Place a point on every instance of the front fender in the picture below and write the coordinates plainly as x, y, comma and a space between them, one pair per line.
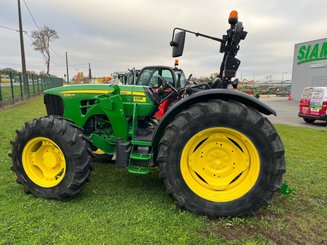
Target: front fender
204, 95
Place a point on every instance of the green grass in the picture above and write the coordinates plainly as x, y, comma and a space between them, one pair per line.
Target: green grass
120, 208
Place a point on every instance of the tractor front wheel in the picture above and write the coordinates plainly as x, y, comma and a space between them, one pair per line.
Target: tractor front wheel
51, 158
221, 158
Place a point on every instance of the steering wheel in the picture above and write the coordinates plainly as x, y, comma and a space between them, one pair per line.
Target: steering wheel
169, 85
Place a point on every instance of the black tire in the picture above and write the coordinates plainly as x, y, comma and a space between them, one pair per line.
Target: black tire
230, 115
75, 150
309, 120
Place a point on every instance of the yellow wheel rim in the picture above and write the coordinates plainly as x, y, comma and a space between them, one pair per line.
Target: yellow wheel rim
43, 162
220, 164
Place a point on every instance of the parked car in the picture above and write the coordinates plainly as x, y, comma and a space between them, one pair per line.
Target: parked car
313, 104
283, 90
5, 78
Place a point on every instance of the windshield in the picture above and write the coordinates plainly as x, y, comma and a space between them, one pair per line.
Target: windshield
150, 77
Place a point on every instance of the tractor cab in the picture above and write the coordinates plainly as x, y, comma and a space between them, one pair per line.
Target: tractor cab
150, 76
164, 81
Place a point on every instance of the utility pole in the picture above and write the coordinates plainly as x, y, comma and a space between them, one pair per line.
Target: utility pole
22, 51
67, 68
90, 74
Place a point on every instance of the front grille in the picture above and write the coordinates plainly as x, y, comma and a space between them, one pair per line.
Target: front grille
86, 105
54, 104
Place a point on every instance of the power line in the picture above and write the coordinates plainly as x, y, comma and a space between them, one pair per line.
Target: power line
8, 28
15, 64
54, 63
37, 26
71, 58
56, 53
80, 64
25, 32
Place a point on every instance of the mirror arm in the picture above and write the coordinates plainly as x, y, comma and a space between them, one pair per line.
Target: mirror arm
172, 43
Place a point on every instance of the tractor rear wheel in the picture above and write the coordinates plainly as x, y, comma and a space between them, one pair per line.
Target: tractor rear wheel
51, 158
221, 158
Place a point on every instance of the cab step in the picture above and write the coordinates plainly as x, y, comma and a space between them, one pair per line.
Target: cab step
140, 157
139, 160
138, 170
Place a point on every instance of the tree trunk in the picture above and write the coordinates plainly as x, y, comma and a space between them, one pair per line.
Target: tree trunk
48, 65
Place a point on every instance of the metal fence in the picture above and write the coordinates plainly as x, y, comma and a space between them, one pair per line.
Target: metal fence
269, 88
12, 87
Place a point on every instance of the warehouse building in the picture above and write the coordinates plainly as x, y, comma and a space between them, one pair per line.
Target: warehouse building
309, 66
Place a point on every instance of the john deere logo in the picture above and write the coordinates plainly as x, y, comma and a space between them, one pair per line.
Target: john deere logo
308, 53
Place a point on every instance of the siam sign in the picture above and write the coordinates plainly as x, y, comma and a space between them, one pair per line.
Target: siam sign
312, 52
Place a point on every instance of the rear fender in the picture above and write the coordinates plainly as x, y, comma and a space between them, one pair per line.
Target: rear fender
205, 95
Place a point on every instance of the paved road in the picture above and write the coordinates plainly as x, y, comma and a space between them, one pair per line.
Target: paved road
287, 111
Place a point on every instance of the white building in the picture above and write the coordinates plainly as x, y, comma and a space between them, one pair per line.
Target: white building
309, 66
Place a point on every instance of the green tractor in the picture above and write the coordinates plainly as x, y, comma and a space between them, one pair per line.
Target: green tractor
217, 153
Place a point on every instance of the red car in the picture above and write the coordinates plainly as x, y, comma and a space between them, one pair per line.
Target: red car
313, 104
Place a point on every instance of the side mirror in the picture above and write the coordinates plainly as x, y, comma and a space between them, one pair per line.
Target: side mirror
178, 44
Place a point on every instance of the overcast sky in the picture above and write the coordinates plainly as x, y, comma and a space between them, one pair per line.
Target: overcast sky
117, 35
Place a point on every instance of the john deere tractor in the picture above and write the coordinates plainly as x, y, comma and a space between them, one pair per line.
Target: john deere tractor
217, 153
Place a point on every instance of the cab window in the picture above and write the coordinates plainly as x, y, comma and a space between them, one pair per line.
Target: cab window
168, 76
145, 77
154, 80
180, 79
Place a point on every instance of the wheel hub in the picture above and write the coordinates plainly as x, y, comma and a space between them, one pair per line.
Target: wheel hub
44, 162
217, 159
220, 163
50, 159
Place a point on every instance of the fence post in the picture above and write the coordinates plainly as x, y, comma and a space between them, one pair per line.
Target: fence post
42, 80
20, 84
44, 83
0, 88
11, 86
33, 84
48, 84
38, 85
28, 86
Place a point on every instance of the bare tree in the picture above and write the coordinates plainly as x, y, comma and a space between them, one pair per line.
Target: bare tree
41, 42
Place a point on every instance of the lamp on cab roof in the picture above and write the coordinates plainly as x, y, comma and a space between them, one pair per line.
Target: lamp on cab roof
233, 17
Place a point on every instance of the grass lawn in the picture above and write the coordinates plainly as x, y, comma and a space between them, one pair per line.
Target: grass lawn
120, 208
